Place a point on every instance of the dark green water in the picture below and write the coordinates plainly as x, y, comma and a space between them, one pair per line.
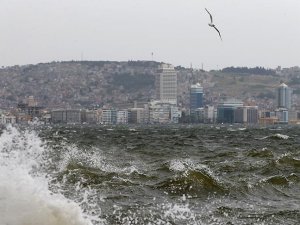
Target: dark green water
84, 175
179, 175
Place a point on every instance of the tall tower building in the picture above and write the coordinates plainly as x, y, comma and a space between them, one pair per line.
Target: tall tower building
196, 97
166, 83
284, 96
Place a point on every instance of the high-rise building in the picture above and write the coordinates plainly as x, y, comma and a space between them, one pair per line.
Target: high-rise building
226, 111
166, 83
246, 114
196, 97
284, 96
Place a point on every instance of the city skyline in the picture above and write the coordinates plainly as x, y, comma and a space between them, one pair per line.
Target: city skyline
255, 33
162, 109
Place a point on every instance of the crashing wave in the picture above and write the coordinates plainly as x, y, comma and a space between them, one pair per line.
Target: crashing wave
25, 197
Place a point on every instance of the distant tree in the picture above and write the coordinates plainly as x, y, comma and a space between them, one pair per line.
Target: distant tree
179, 68
245, 70
143, 63
131, 82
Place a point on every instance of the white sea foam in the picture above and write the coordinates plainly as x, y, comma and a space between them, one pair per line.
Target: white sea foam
25, 198
282, 136
96, 158
182, 165
179, 212
178, 165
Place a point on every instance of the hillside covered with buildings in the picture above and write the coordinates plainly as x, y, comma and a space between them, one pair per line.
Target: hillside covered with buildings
93, 85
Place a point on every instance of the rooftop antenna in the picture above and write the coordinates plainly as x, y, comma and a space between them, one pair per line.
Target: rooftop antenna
152, 56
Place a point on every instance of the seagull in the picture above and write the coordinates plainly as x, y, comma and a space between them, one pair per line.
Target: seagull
211, 24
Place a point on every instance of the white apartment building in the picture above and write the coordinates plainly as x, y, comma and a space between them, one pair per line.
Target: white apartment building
122, 117
209, 116
163, 112
108, 116
166, 84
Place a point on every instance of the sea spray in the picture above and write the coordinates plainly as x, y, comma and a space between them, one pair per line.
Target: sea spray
25, 198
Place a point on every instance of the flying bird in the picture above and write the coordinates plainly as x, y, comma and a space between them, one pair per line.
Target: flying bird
211, 24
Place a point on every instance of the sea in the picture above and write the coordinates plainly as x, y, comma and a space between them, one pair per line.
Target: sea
173, 175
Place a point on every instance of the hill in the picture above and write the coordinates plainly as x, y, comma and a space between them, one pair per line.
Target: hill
97, 83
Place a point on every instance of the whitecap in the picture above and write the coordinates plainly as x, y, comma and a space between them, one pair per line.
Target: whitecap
281, 136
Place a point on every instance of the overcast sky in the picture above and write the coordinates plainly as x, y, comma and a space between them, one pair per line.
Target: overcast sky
255, 32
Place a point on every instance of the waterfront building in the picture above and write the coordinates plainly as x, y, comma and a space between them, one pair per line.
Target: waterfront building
73, 116
166, 84
90, 117
209, 116
29, 111
283, 115
163, 112
122, 117
108, 116
267, 114
159, 114
68, 116
196, 97
246, 114
46, 117
175, 114
294, 117
198, 115
284, 96
252, 114
137, 116
58, 116
268, 120
226, 111
239, 115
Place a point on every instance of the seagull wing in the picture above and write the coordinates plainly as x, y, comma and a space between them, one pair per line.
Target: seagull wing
218, 32
211, 19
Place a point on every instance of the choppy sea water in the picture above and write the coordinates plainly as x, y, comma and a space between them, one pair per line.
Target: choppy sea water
90, 175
